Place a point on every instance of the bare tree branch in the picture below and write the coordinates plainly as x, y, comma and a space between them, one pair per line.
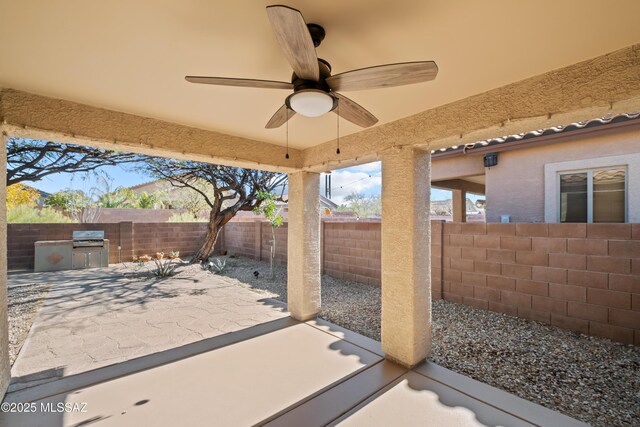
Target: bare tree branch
32, 160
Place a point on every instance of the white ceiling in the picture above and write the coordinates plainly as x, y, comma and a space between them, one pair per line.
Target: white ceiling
132, 56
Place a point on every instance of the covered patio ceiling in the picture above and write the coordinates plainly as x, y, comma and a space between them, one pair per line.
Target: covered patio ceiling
112, 75
132, 58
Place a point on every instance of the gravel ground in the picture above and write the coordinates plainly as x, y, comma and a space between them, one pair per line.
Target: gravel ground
24, 302
591, 379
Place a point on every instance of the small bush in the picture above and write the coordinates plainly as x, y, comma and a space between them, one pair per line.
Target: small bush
23, 214
165, 264
216, 266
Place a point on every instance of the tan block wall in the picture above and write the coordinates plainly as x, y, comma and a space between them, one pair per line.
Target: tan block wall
584, 277
185, 237
135, 239
352, 251
281, 242
240, 238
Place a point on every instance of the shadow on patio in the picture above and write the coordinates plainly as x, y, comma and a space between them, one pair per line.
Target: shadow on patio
282, 372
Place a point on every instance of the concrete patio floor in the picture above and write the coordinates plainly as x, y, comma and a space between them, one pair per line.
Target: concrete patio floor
279, 373
98, 317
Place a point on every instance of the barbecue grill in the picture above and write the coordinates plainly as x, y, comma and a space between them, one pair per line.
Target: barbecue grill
89, 249
88, 239
86, 249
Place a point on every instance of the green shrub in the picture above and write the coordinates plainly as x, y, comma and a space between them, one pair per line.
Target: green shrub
29, 215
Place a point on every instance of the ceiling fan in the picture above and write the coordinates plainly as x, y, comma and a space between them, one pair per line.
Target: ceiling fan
315, 90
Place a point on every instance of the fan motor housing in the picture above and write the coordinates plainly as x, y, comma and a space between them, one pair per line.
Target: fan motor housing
302, 84
317, 33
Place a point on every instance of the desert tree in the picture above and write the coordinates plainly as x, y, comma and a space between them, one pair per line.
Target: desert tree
364, 206
272, 212
230, 190
31, 160
21, 195
76, 204
190, 200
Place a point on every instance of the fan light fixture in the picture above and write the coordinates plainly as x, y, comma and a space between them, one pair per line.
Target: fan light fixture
311, 102
315, 90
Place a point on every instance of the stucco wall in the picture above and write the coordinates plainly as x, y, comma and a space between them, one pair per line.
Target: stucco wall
5, 369
456, 167
516, 186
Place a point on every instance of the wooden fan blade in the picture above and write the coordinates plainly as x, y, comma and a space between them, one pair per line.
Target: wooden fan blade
280, 117
224, 81
404, 73
295, 41
354, 112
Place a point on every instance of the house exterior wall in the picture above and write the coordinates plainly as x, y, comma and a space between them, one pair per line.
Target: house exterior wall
456, 167
516, 186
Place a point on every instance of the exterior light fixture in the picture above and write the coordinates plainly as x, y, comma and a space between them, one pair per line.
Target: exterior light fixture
490, 160
311, 102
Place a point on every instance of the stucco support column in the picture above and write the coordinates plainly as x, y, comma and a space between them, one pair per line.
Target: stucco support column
303, 264
406, 259
459, 205
5, 369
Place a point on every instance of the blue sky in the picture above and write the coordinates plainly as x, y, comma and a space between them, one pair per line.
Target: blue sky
367, 179
124, 176
363, 178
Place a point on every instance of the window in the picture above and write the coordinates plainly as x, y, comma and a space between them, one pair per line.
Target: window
597, 195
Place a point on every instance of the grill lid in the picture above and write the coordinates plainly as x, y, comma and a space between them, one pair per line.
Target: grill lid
88, 235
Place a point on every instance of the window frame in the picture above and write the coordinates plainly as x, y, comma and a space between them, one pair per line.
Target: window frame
589, 172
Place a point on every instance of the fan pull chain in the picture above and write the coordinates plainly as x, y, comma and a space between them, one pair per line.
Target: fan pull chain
338, 126
286, 156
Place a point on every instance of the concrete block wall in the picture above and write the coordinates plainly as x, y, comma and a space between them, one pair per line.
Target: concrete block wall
584, 277
240, 238
252, 239
185, 237
351, 251
267, 237
134, 238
